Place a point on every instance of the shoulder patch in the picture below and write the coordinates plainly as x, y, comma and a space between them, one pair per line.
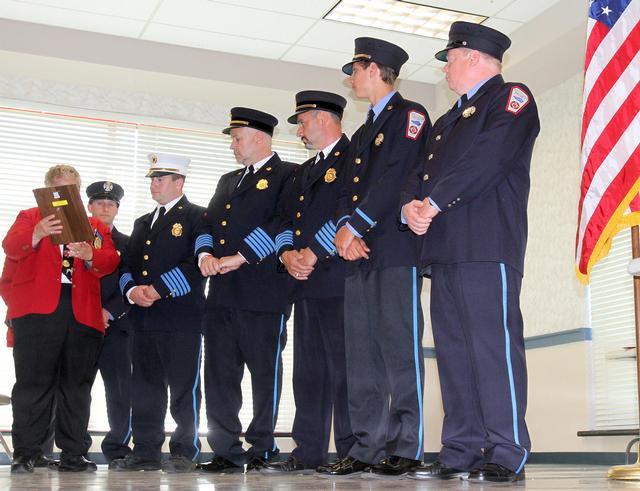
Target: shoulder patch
415, 123
518, 99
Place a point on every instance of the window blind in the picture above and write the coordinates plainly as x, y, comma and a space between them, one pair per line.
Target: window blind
615, 402
101, 149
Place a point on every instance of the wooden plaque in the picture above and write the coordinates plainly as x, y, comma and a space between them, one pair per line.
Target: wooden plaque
66, 204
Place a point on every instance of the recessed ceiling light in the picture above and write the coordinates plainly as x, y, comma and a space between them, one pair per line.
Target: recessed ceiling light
401, 16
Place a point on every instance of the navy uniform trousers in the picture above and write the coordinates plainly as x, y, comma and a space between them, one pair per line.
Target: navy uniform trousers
320, 380
115, 368
478, 334
166, 359
385, 365
233, 338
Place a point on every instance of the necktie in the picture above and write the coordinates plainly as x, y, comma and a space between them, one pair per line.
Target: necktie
67, 263
370, 116
247, 172
463, 100
161, 211
319, 159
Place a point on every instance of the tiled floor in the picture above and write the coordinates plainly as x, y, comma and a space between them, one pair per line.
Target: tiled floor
543, 477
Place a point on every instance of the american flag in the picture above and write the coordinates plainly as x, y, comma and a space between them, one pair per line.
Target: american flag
610, 157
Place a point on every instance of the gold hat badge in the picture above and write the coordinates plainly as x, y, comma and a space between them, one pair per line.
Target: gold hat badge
176, 230
330, 175
468, 112
262, 184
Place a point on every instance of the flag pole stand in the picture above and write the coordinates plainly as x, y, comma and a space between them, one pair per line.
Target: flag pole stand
632, 472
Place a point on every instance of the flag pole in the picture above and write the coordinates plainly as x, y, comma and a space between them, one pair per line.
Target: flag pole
632, 472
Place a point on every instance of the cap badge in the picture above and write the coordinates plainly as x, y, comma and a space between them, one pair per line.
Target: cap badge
262, 184
107, 186
330, 175
379, 139
154, 159
468, 112
176, 230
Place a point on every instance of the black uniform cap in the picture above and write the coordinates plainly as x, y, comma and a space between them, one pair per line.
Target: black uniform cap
244, 117
475, 36
378, 50
317, 100
105, 190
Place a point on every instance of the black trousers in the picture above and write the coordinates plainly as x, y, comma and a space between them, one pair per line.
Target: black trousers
320, 380
166, 361
232, 339
479, 341
385, 366
55, 361
115, 369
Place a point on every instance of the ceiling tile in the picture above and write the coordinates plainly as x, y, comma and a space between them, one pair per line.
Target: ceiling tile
213, 41
40, 14
481, 7
138, 9
338, 36
317, 57
427, 74
525, 10
316, 9
505, 26
229, 19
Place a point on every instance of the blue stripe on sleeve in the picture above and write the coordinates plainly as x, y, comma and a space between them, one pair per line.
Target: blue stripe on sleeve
365, 217
124, 279
257, 248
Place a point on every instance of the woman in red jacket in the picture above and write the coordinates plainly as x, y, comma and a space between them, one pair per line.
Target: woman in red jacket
55, 309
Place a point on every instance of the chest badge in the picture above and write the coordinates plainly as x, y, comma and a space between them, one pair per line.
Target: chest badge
176, 230
262, 184
468, 112
379, 139
330, 175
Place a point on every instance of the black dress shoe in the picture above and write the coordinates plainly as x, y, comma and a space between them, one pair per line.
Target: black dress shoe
256, 464
44, 461
22, 465
323, 468
133, 463
291, 465
393, 466
437, 470
178, 464
76, 463
221, 466
495, 473
346, 467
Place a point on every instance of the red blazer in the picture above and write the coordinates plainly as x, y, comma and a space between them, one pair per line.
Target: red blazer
5, 285
35, 283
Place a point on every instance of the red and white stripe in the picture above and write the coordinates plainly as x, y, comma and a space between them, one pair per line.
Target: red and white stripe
610, 158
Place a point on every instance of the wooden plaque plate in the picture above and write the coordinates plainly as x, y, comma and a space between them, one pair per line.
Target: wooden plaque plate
66, 204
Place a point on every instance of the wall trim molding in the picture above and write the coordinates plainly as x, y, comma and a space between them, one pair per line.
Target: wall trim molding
578, 335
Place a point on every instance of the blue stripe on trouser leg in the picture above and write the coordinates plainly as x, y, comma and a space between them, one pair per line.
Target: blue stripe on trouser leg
195, 404
416, 354
512, 388
275, 384
125, 440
